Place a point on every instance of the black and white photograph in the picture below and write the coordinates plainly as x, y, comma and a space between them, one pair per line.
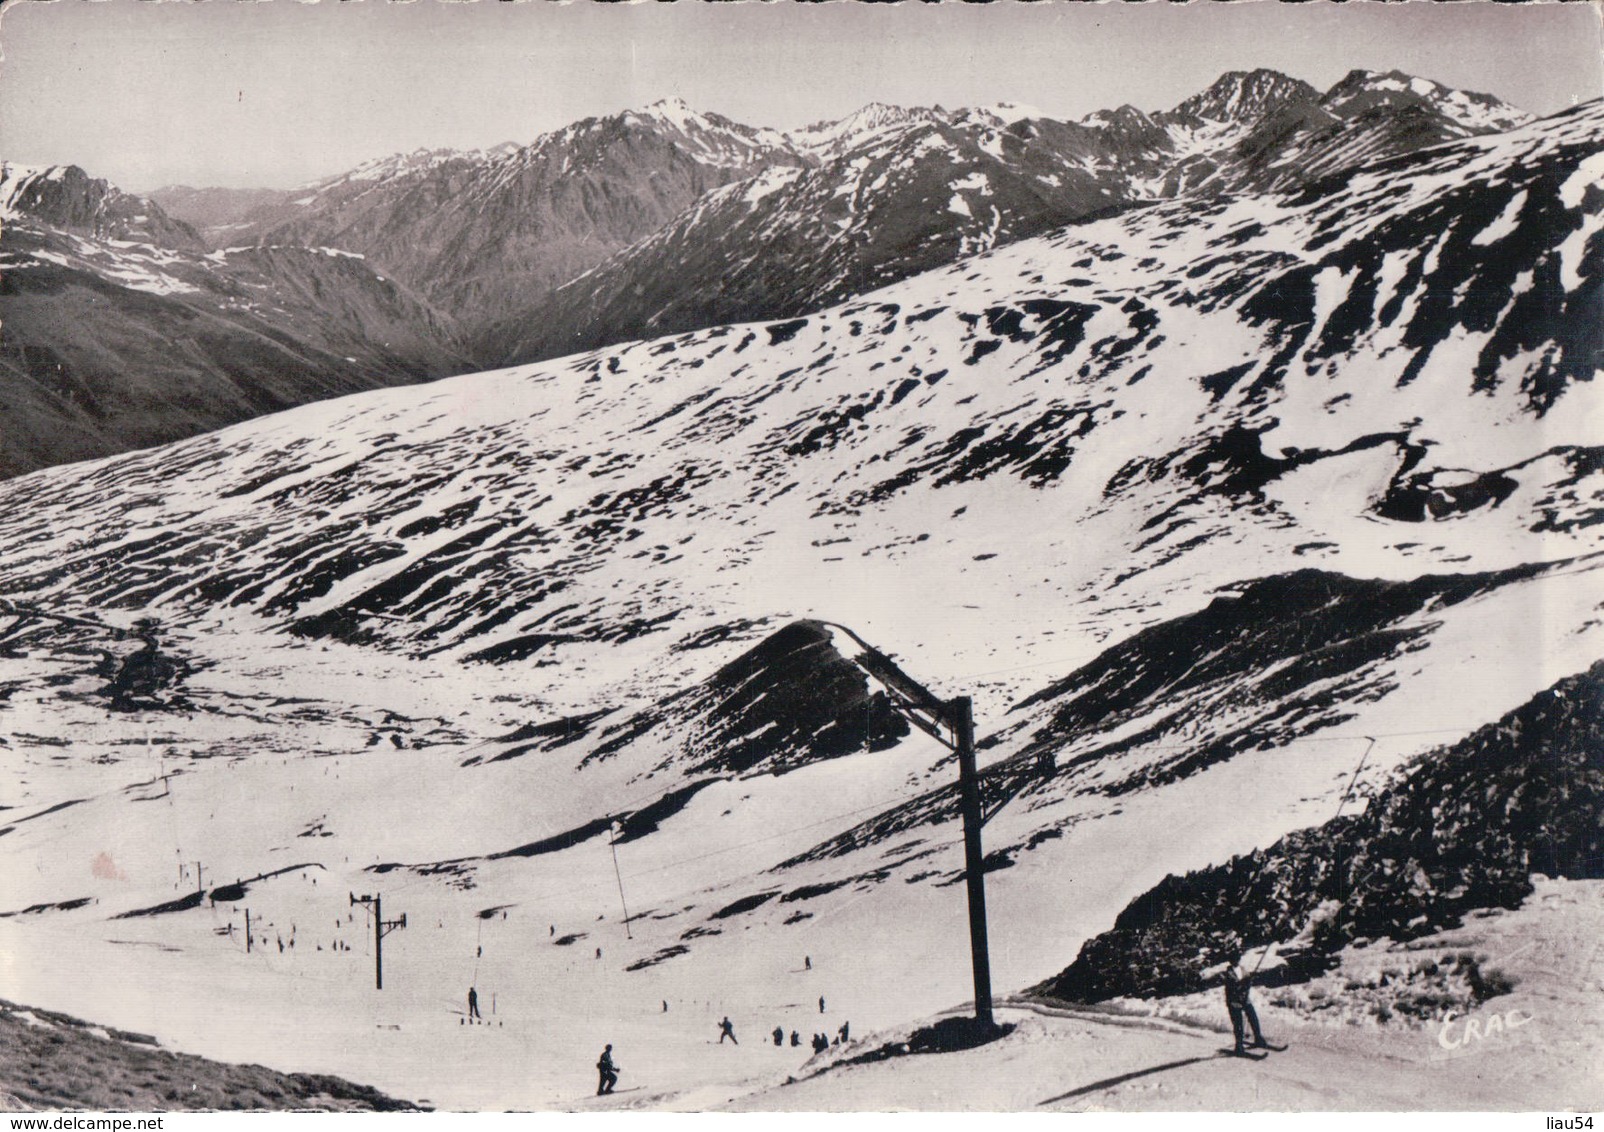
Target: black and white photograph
801, 557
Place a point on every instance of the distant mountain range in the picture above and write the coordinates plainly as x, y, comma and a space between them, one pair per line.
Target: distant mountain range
131, 321
888, 193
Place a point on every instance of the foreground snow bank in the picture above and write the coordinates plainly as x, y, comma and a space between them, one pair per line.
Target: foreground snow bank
1545, 1049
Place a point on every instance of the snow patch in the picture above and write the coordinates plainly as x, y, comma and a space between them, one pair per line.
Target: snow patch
1505, 222
975, 181
1589, 174
768, 182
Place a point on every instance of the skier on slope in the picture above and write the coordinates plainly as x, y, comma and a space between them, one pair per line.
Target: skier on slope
1238, 982
608, 1072
473, 1005
726, 1029
779, 1036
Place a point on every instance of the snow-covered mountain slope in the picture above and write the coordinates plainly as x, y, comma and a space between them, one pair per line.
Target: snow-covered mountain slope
481, 232
1192, 500
1460, 831
826, 141
848, 205
243, 216
652, 221
1369, 1036
893, 192
1473, 113
110, 344
897, 197
66, 197
1301, 348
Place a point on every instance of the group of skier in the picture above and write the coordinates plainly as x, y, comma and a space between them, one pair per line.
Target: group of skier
607, 1069
820, 1042
726, 1029
1236, 981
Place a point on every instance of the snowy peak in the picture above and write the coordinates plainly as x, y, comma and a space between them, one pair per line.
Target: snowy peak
871, 116
1245, 95
1010, 112
1362, 91
396, 166
65, 197
440, 220
709, 137
825, 140
677, 114
673, 109
1263, 131
1124, 117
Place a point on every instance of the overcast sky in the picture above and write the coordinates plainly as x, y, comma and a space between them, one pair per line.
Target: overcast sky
272, 93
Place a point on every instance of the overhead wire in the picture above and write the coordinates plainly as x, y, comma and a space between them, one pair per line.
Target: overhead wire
663, 792
879, 806
1341, 805
647, 797
1348, 793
